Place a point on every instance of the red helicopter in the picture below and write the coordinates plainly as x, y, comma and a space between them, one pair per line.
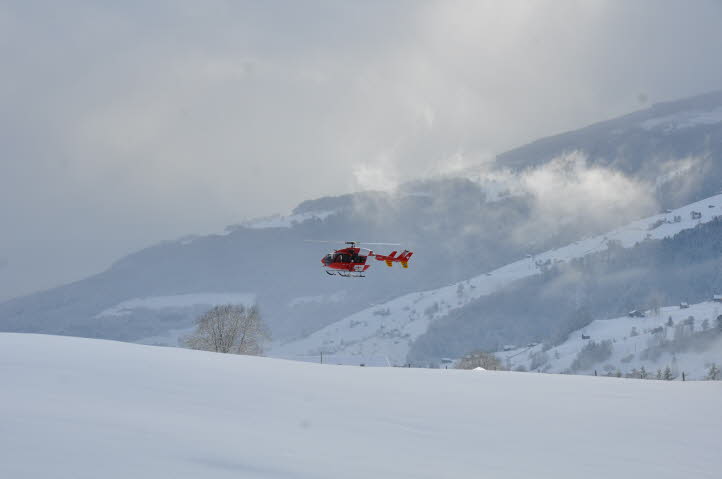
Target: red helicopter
351, 263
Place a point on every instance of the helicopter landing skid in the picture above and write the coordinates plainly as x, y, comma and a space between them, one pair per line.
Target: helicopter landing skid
345, 274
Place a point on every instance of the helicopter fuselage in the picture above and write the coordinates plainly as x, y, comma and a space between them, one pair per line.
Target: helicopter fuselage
346, 260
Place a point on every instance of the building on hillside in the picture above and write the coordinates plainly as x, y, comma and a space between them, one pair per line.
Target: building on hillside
683, 305
696, 215
717, 298
635, 313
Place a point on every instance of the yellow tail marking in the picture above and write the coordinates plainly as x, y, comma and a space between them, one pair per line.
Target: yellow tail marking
405, 264
389, 263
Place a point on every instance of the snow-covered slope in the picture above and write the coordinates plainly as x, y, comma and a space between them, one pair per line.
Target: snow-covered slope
384, 333
80, 408
685, 119
635, 343
178, 301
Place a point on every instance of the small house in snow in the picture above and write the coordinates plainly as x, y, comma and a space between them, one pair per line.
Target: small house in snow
635, 313
717, 298
683, 305
696, 215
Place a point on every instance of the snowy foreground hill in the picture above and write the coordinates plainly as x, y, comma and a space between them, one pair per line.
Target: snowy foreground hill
83, 408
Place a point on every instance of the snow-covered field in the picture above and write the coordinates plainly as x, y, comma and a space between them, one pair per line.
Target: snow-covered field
386, 331
81, 408
178, 301
630, 337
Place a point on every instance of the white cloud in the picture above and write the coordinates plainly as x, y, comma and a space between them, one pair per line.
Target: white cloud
569, 191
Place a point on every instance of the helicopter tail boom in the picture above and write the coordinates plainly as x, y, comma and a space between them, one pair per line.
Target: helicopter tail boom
391, 258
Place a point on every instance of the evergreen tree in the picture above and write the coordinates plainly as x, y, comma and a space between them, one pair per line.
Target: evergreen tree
668, 376
643, 374
714, 373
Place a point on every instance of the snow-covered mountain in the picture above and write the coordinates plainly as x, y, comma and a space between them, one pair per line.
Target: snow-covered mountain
687, 338
82, 408
386, 331
531, 200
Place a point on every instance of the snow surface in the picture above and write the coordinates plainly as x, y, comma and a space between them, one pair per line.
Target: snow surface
685, 119
178, 301
627, 349
385, 332
81, 408
332, 298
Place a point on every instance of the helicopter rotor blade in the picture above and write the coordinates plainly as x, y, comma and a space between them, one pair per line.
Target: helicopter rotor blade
382, 244
352, 242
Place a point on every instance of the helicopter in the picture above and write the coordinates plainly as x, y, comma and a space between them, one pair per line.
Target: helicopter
349, 262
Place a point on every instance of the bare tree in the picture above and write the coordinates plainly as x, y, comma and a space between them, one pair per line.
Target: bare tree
229, 328
479, 359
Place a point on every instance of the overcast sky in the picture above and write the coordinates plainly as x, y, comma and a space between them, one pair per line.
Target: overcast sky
126, 123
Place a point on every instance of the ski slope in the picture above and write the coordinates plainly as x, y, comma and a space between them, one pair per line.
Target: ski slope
80, 408
385, 332
628, 346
